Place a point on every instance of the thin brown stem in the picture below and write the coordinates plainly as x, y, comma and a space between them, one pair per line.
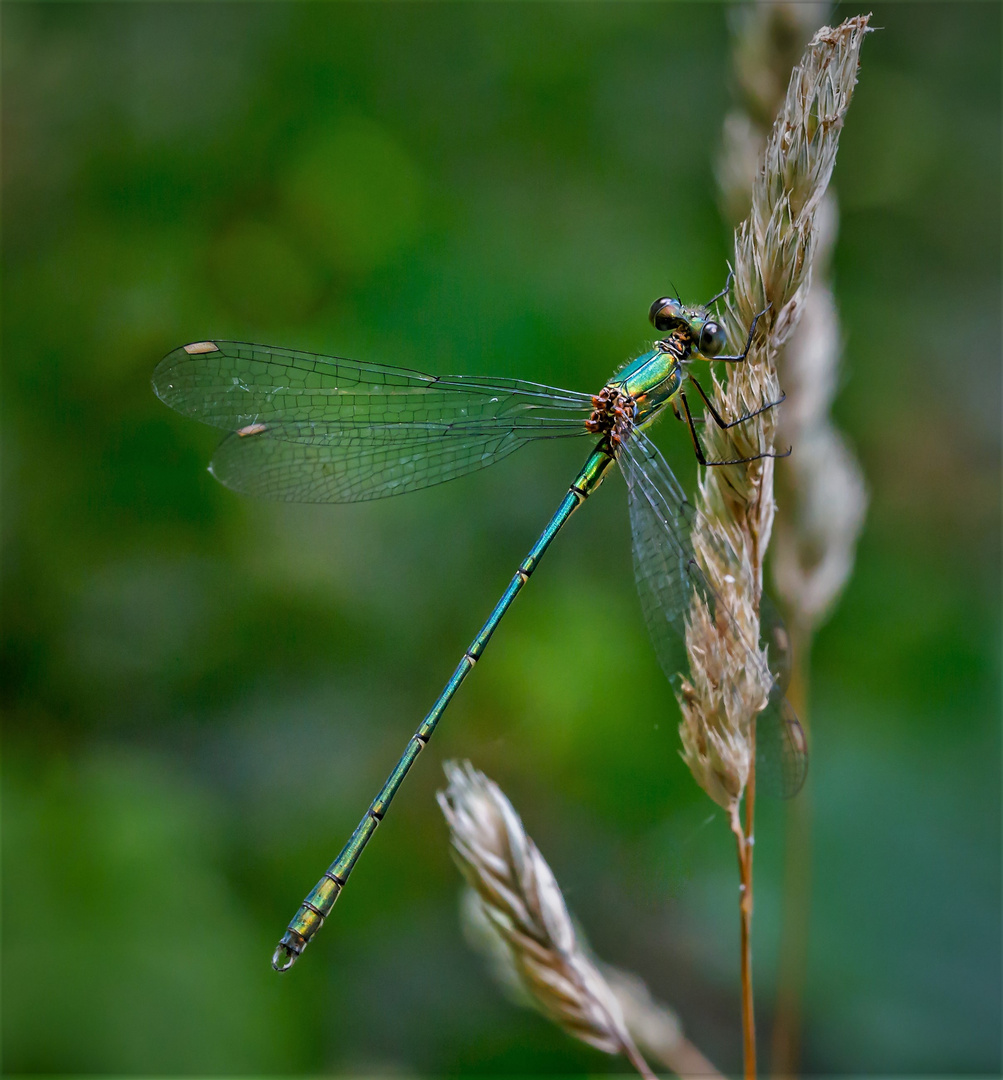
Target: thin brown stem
745, 841
748, 1014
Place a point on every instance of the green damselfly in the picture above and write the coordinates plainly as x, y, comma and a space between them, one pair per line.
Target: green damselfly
307, 428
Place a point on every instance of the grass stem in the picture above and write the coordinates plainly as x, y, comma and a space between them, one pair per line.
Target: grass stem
745, 845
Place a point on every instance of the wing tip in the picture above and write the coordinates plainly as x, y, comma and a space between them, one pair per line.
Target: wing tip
160, 380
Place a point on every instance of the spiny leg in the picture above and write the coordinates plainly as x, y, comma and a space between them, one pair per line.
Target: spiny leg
698, 449
748, 341
678, 413
727, 286
719, 420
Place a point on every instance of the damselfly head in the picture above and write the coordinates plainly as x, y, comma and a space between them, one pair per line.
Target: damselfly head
706, 333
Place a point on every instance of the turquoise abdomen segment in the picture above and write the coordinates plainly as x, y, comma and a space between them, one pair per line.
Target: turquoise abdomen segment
323, 895
480, 642
306, 923
343, 864
382, 801
592, 473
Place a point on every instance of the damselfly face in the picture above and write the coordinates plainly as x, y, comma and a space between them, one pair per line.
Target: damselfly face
706, 334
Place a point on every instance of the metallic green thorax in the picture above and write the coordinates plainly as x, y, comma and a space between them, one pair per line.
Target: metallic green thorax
655, 377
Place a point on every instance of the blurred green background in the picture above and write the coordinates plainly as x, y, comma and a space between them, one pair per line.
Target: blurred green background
201, 693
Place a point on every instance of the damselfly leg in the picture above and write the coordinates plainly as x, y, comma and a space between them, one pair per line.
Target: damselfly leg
748, 341
724, 425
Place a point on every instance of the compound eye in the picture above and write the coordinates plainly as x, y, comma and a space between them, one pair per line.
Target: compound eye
712, 338
666, 313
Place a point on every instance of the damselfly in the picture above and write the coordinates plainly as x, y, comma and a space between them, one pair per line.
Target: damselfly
309, 428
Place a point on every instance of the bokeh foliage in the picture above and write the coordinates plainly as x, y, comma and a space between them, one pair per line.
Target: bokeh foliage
201, 694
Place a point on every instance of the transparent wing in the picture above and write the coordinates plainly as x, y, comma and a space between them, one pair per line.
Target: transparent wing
777, 641
232, 384
666, 572
781, 748
326, 429
667, 575
355, 467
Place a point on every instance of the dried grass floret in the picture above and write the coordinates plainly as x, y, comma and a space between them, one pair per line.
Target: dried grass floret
774, 247
514, 913
522, 902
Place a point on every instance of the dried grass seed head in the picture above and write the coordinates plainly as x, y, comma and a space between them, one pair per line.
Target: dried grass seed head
774, 247
521, 901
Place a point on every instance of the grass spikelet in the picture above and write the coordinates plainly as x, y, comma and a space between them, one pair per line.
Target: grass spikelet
514, 913
773, 256
523, 903
822, 493
774, 251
